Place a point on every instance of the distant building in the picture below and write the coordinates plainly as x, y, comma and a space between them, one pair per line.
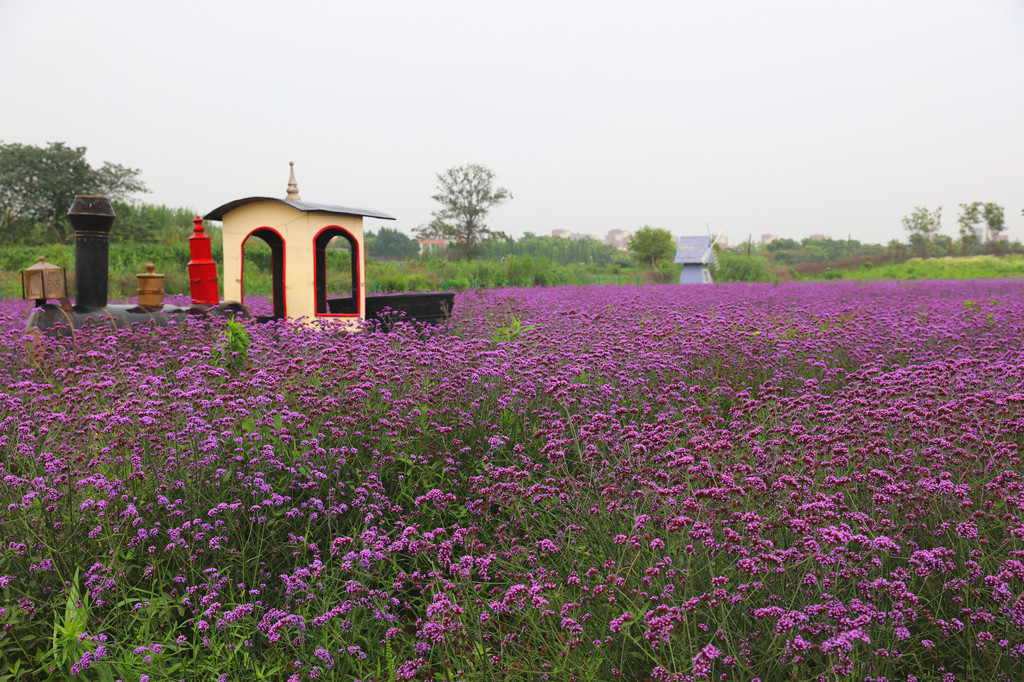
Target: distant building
767, 238
723, 241
427, 245
618, 238
566, 234
818, 237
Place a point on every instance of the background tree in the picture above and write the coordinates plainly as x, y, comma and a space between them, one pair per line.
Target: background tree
390, 244
970, 216
785, 251
37, 185
466, 194
782, 244
975, 214
943, 243
651, 245
995, 221
921, 225
149, 224
582, 251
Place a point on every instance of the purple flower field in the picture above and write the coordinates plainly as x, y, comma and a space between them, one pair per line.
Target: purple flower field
738, 482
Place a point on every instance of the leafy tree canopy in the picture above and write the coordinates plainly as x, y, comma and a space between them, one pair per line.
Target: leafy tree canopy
586, 251
38, 185
148, 224
466, 195
651, 245
390, 244
921, 225
815, 250
782, 244
975, 214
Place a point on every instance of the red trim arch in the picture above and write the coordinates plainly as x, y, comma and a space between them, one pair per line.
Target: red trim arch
352, 308
275, 241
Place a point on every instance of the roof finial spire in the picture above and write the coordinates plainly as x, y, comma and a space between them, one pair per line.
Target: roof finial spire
293, 187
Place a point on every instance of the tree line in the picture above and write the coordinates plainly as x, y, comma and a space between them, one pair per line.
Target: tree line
788, 252
37, 184
923, 227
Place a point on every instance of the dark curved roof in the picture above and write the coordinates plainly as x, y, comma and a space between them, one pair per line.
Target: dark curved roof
304, 206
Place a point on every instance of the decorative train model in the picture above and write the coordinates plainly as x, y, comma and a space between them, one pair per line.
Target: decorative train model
298, 234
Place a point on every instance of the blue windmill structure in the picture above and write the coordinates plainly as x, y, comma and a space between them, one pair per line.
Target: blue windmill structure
697, 256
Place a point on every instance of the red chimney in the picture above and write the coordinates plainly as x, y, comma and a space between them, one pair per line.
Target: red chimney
202, 271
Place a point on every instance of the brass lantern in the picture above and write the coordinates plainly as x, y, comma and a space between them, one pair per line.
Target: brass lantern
151, 287
44, 281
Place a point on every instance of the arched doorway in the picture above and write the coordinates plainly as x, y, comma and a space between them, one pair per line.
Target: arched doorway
258, 258
337, 272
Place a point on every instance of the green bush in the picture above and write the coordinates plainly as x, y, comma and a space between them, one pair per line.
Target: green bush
520, 270
733, 267
455, 284
388, 285
486, 273
970, 267
418, 282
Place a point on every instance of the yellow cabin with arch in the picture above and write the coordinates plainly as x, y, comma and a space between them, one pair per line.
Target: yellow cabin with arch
298, 234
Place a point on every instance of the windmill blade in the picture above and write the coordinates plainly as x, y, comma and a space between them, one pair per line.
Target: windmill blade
715, 239
711, 247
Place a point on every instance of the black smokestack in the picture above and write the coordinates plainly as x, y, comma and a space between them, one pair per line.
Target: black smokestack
91, 217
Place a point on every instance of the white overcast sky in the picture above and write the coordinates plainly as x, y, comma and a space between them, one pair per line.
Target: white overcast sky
788, 117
